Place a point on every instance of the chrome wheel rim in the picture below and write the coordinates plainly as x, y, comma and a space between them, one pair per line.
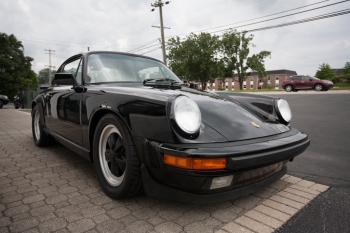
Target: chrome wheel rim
318, 87
288, 88
37, 125
112, 155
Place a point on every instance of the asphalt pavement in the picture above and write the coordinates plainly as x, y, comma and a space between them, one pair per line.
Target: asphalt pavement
325, 117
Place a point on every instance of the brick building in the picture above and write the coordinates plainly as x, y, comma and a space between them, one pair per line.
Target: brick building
274, 79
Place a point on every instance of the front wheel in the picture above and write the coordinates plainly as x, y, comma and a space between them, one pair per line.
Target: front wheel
318, 87
41, 139
289, 88
115, 158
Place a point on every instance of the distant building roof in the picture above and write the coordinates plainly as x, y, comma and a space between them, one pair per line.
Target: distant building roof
338, 71
268, 72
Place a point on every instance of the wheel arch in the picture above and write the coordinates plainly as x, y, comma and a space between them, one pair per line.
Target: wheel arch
94, 121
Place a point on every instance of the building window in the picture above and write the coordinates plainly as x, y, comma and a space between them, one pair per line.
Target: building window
277, 78
244, 87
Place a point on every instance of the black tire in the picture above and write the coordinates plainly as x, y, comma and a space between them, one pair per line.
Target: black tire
1, 104
41, 139
16, 106
115, 158
318, 87
288, 88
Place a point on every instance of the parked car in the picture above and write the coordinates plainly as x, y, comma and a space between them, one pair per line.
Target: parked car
145, 129
3, 100
303, 82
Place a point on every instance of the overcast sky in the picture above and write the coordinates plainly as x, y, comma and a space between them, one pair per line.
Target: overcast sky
70, 26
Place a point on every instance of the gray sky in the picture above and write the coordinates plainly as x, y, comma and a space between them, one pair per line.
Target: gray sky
70, 26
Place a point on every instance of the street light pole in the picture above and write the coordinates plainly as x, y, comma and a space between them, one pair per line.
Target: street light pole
160, 4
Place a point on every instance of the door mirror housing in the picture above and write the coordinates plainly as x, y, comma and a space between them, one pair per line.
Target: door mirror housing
65, 79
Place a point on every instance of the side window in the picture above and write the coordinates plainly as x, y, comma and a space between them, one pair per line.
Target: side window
297, 78
305, 78
74, 67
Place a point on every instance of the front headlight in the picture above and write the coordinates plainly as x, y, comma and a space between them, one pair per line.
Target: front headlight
5, 97
283, 111
187, 114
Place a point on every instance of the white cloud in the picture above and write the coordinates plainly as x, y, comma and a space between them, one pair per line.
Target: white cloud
70, 26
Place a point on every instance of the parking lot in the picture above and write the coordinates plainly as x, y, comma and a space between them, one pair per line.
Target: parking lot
54, 189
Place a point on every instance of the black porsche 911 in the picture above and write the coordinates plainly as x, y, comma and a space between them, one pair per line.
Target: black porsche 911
144, 129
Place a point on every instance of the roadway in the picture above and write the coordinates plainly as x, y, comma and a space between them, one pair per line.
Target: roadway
325, 117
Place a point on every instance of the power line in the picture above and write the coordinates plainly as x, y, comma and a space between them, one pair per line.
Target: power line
283, 16
319, 17
219, 11
143, 46
151, 50
264, 17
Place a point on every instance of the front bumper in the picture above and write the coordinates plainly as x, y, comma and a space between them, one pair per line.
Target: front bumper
5, 101
253, 164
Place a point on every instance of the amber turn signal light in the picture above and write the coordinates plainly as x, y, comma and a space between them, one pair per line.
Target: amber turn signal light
195, 163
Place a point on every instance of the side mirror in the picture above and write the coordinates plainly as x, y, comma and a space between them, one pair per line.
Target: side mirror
65, 79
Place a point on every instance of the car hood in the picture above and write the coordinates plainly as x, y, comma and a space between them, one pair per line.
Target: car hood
231, 120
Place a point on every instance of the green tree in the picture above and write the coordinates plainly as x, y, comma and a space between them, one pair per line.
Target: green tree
195, 58
43, 75
15, 68
347, 68
235, 49
325, 72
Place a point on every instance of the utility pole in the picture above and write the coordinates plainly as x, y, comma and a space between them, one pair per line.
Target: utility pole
49, 51
160, 4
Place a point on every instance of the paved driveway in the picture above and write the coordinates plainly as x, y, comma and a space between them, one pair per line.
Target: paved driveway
53, 189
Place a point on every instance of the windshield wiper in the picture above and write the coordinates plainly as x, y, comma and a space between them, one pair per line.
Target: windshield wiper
163, 83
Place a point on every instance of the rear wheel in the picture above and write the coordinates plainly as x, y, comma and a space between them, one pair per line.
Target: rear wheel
288, 88
41, 139
318, 87
115, 158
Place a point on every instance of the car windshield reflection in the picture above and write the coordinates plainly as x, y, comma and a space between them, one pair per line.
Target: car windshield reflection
105, 68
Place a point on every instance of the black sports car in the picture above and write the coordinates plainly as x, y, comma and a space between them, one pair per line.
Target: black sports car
143, 128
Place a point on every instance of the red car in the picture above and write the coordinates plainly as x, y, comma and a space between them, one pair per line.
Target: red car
303, 82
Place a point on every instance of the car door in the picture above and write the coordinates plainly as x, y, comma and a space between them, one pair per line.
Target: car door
297, 82
306, 82
65, 104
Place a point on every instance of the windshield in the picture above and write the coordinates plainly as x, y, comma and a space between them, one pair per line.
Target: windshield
108, 67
